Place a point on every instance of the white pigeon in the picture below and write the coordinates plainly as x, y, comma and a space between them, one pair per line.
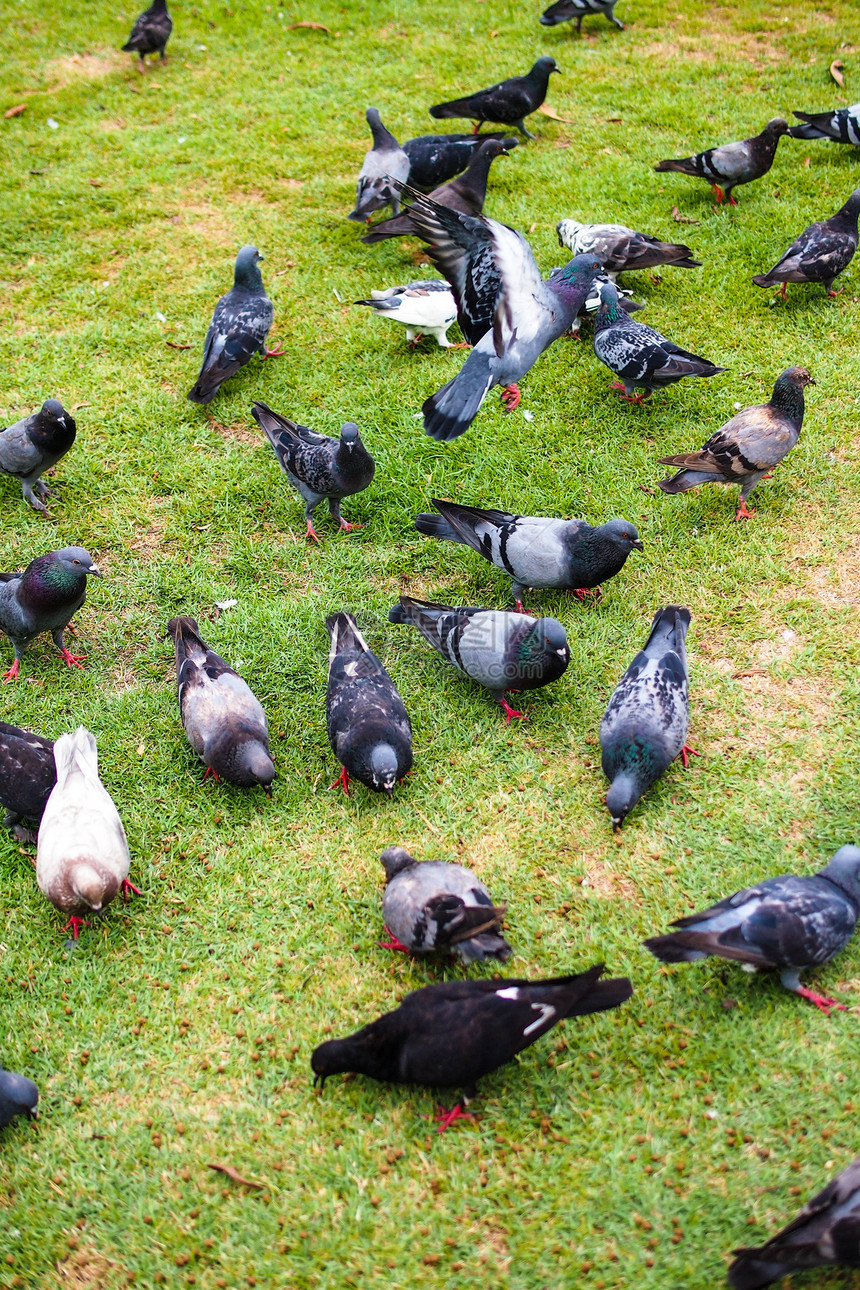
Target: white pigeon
423, 308
82, 859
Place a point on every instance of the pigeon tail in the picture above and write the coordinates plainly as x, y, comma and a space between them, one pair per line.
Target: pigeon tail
675, 947
437, 526
77, 751
450, 411
487, 945
751, 1272
687, 479
601, 996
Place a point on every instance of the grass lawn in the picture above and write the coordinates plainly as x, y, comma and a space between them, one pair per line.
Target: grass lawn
630, 1150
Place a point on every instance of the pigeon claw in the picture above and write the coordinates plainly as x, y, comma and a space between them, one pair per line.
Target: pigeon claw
583, 593
821, 1001
76, 924
510, 712
718, 193
211, 774
70, 659
393, 944
127, 888
519, 606
273, 353
346, 527
446, 1118
343, 778
783, 291
628, 398
686, 753
311, 532
460, 344
831, 292
511, 397
12, 671
743, 514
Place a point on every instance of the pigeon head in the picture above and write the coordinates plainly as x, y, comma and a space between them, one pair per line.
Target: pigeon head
90, 886
844, 870
609, 300
53, 410
394, 860
798, 376
852, 206
330, 1058
246, 273
251, 764
76, 560
383, 768
349, 435
545, 67
624, 792
624, 533
775, 128
18, 1096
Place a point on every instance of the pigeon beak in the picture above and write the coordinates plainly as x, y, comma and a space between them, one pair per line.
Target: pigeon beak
637, 545
811, 382
616, 825
95, 571
267, 789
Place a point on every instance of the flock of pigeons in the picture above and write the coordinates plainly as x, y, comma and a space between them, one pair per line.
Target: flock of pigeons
451, 1034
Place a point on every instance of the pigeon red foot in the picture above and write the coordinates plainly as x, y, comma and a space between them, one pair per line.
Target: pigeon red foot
346, 527
127, 888
511, 397
821, 1001
211, 774
72, 660
12, 671
510, 712
831, 292
686, 753
343, 778
628, 398
393, 944
582, 593
743, 514
446, 1118
76, 924
274, 353
311, 532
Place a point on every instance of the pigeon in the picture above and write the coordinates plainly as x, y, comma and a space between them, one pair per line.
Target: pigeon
841, 126
747, 448
18, 1096
239, 327
535, 550
423, 308
385, 161
639, 354
592, 302
789, 923
501, 651
43, 599
436, 158
225, 724
430, 906
827, 1230
567, 10
644, 727
620, 249
82, 859
27, 775
732, 164
150, 33
507, 103
454, 1033
35, 444
319, 468
368, 726
820, 254
466, 194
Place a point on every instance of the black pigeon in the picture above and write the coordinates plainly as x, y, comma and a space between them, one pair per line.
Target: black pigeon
319, 468
18, 1096
368, 726
820, 254
644, 727
501, 651
827, 1230
620, 249
27, 775
454, 1033
225, 724
465, 194
788, 923
43, 599
35, 444
150, 33
732, 164
536, 551
567, 10
841, 126
238, 331
639, 354
507, 103
385, 162
431, 907
436, 158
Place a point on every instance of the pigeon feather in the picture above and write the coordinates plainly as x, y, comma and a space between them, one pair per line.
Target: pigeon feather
432, 907
841, 126
620, 249
239, 328
35, 444
732, 164
27, 775
821, 253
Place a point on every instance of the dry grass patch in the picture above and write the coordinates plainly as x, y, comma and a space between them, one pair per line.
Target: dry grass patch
84, 1269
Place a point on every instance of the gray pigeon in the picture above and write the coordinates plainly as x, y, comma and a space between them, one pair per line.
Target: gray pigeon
501, 651
841, 126
150, 33
507, 103
436, 158
638, 354
732, 164
18, 1096
748, 448
319, 468
225, 724
567, 10
644, 727
430, 906
239, 327
423, 308
620, 249
788, 923
820, 254
43, 599
537, 551
27, 775
35, 444
385, 161
367, 723
827, 1230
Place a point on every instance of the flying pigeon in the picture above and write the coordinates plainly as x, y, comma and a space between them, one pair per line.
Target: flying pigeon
35, 444
239, 327
732, 164
319, 468
27, 775
385, 161
43, 599
423, 308
820, 254
789, 923
567, 10
150, 33
18, 1096
507, 103
639, 354
841, 126
454, 1033
535, 550
466, 194
436, 158
827, 1230
501, 651
749, 447
368, 726
225, 724
644, 727
82, 859
430, 906
620, 249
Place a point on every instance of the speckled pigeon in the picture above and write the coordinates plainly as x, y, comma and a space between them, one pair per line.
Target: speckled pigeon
27, 775
732, 164
238, 331
436, 158
18, 1096
35, 444
423, 308
568, 10
840, 126
150, 33
430, 907
507, 103
821, 253
385, 161
454, 1033
788, 923
43, 599
620, 249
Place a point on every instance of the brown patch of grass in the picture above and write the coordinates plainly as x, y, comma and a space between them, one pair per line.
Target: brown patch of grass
84, 1269
833, 577
237, 431
603, 881
86, 67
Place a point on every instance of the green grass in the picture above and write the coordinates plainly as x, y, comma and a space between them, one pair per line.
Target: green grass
628, 1150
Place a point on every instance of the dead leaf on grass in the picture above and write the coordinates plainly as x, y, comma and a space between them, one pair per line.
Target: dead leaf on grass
15, 111
683, 219
836, 72
235, 1175
175, 345
314, 26
546, 110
